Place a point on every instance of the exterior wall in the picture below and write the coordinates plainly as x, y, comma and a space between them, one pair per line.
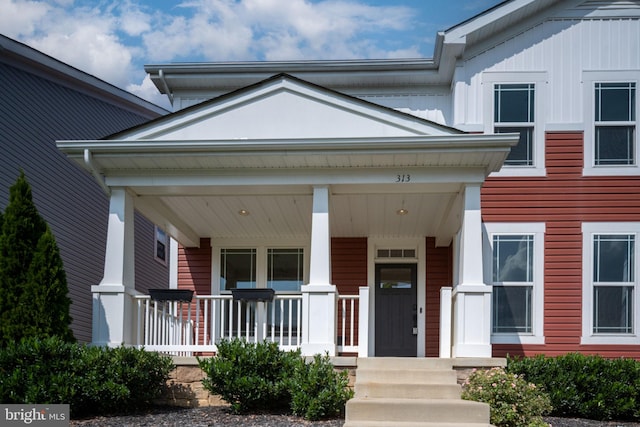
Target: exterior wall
36, 111
563, 48
349, 270
439, 274
563, 199
194, 268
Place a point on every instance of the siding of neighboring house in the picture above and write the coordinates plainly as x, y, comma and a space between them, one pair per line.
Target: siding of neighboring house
563, 200
36, 109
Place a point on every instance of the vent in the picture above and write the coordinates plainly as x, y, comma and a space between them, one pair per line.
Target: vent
396, 253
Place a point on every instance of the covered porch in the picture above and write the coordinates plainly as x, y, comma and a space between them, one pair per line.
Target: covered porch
288, 165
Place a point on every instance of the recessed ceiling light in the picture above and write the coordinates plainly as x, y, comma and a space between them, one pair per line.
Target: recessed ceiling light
402, 211
243, 212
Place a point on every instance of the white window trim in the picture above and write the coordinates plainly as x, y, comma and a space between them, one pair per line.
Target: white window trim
261, 259
590, 78
539, 79
537, 229
589, 229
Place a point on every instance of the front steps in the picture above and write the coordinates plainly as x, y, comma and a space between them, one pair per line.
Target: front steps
410, 392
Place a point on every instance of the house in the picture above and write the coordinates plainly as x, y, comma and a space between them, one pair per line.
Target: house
479, 203
44, 100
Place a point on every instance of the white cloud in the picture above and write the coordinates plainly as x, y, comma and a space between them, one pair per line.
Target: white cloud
112, 40
147, 90
19, 18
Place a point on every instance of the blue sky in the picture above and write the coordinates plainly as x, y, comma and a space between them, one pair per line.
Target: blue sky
114, 39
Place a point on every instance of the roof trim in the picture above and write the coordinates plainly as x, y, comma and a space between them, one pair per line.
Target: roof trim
19, 54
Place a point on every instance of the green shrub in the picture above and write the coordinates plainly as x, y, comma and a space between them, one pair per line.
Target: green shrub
250, 377
92, 380
319, 391
514, 402
585, 386
33, 283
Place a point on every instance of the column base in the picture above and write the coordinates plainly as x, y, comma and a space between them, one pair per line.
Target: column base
319, 326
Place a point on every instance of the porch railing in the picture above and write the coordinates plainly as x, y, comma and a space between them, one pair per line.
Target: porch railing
184, 328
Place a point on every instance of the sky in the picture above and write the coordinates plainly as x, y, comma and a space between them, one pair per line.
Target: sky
114, 39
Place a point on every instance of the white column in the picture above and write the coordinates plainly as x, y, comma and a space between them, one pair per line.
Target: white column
319, 326
471, 296
363, 322
113, 321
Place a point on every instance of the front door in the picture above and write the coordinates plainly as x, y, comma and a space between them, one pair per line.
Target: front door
396, 315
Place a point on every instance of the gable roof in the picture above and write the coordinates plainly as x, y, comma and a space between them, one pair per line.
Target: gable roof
284, 107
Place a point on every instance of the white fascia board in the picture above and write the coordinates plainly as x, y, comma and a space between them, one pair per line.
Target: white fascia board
458, 33
476, 142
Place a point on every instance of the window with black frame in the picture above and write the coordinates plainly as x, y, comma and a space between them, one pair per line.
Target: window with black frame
514, 113
615, 124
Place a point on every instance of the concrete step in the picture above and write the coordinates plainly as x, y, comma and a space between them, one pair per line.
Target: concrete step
417, 411
410, 424
413, 363
396, 374
407, 391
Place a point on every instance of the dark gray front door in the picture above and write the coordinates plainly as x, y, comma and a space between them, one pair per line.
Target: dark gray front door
396, 309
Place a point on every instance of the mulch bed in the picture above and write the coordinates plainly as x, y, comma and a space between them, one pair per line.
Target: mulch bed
201, 417
221, 416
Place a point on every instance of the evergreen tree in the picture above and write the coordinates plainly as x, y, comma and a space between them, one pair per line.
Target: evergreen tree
33, 285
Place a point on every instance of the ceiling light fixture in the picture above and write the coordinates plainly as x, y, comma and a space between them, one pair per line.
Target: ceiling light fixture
402, 211
243, 212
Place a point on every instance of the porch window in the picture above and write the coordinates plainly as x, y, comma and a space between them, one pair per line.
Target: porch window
610, 284
514, 265
285, 269
615, 128
238, 269
514, 113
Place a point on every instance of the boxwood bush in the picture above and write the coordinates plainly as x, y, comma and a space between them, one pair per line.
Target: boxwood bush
92, 380
261, 377
585, 386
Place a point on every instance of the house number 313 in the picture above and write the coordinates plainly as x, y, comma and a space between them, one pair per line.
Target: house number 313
403, 178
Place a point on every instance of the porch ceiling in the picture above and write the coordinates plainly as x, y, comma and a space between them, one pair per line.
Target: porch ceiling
286, 213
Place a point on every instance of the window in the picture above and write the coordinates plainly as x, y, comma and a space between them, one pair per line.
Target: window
611, 114
237, 269
609, 282
514, 113
513, 283
161, 245
514, 102
284, 269
614, 124
514, 264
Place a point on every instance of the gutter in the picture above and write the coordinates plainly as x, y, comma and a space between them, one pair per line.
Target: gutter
88, 161
165, 85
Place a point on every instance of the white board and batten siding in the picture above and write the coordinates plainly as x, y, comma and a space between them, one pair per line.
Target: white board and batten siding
562, 47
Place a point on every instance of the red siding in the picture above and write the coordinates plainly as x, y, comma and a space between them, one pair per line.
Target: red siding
439, 274
194, 272
194, 268
348, 271
563, 200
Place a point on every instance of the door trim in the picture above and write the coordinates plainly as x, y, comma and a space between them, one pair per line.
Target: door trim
421, 244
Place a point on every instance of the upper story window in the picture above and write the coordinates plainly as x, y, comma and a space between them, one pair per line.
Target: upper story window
513, 257
514, 113
610, 289
611, 116
513, 102
615, 124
